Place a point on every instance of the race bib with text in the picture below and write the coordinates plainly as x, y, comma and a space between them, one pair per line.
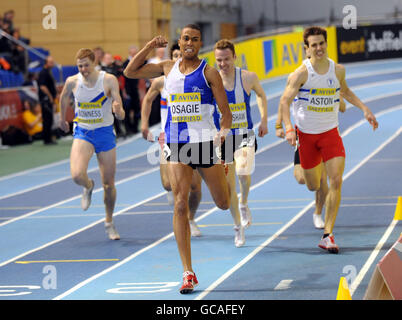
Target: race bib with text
185, 107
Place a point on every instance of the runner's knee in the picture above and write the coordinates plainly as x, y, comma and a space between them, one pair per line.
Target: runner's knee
108, 187
299, 178
181, 206
313, 186
223, 203
78, 177
335, 182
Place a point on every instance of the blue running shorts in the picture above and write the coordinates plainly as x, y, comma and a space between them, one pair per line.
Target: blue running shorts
103, 139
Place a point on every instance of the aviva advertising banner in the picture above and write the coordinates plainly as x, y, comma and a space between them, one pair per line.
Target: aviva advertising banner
275, 55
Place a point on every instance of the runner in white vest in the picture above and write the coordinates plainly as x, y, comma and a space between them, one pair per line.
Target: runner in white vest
191, 136
320, 194
317, 84
96, 97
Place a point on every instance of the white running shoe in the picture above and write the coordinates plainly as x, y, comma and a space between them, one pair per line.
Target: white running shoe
318, 222
170, 198
195, 231
245, 215
328, 243
86, 197
111, 231
239, 239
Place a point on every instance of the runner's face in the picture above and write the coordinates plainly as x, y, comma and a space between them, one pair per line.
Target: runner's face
317, 46
85, 66
225, 60
190, 43
176, 54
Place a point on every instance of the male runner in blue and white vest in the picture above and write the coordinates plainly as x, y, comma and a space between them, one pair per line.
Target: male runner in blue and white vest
241, 144
190, 132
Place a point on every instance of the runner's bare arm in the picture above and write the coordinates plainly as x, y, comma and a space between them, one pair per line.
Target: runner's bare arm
262, 103
216, 84
279, 131
136, 68
352, 98
65, 101
295, 81
152, 93
113, 88
342, 104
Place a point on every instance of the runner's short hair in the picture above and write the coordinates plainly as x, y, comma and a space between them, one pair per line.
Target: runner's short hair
175, 46
225, 44
193, 26
314, 31
85, 53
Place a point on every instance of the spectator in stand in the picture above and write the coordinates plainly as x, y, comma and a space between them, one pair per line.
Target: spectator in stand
32, 118
47, 96
132, 104
13, 53
159, 56
18, 53
31, 80
5, 46
99, 53
109, 65
8, 18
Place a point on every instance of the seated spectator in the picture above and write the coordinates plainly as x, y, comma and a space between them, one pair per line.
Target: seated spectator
109, 65
19, 55
12, 52
32, 118
5, 44
99, 53
8, 18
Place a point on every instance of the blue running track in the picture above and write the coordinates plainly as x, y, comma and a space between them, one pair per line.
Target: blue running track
51, 249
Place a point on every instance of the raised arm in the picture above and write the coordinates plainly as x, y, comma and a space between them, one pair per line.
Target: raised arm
136, 69
215, 81
152, 93
352, 98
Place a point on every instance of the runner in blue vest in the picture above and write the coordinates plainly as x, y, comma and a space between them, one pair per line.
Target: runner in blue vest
241, 144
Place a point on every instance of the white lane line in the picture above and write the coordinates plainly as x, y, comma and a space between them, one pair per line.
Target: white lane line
157, 212
67, 177
75, 197
271, 96
372, 257
283, 284
170, 235
134, 255
79, 230
292, 221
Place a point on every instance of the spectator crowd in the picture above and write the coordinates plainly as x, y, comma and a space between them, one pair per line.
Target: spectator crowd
13, 56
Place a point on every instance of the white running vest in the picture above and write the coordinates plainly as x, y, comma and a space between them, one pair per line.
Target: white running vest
93, 109
317, 105
190, 106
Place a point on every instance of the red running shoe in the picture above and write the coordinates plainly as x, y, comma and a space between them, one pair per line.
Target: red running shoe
189, 282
